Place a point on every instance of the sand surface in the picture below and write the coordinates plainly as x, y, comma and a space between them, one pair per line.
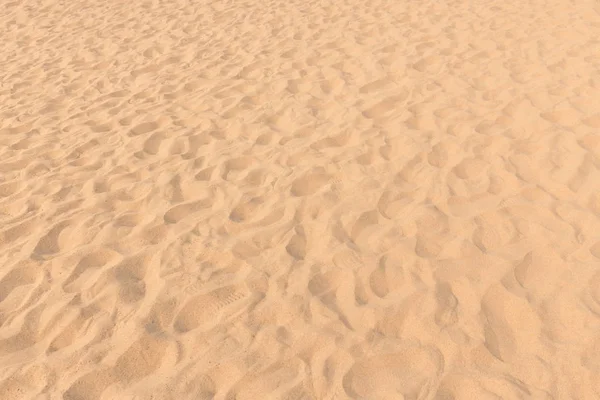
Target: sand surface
322, 199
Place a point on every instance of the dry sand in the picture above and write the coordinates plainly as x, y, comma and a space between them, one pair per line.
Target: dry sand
267, 199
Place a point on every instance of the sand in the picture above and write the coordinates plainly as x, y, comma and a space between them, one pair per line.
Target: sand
299, 199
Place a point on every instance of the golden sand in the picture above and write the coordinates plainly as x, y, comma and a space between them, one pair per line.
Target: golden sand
266, 199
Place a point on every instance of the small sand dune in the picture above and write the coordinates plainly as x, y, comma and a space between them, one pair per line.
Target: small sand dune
375, 200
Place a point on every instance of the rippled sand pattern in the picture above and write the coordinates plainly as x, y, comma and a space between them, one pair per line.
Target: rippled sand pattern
247, 199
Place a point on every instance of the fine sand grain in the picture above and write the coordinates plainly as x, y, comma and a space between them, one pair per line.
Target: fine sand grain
322, 199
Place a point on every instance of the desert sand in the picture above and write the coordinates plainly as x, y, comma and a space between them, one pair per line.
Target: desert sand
332, 199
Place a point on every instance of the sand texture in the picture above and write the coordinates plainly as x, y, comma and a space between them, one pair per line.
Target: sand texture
316, 199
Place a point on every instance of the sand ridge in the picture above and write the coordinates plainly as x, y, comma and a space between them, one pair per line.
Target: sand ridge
299, 200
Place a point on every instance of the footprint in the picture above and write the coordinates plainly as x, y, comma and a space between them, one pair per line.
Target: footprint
29, 382
457, 386
310, 183
348, 260
161, 315
387, 277
50, 243
193, 385
264, 139
129, 219
256, 178
9, 188
429, 245
411, 373
186, 210
205, 175
254, 70
27, 336
296, 86
141, 359
366, 219
154, 235
470, 168
525, 168
273, 382
427, 63
413, 173
366, 158
119, 93
296, 247
511, 325
447, 306
23, 273
246, 209
70, 333
194, 143
494, 231
144, 128
88, 265
100, 127
376, 86
205, 311
438, 157
235, 165
90, 386
130, 274
325, 282
333, 141
152, 145
541, 272
393, 205
385, 106
23, 229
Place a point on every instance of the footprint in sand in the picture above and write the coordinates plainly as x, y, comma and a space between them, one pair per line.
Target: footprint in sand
470, 168
277, 380
385, 106
28, 382
141, 359
296, 246
511, 326
395, 204
207, 310
387, 277
144, 128
310, 183
73, 331
364, 221
51, 242
87, 267
28, 334
10, 188
130, 274
246, 209
376, 86
494, 231
22, 274
18, 231
332, 141
184, 211
235, 166
410, 373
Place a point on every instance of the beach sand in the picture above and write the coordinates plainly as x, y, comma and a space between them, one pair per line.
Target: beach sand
296, 200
